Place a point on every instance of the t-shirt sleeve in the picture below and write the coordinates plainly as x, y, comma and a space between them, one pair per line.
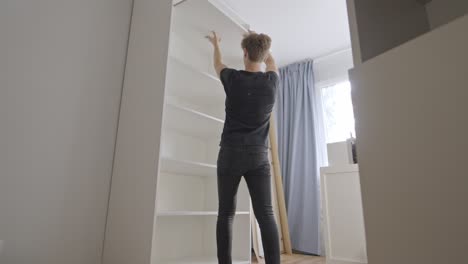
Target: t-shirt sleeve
274, 78
272, 75
226, 75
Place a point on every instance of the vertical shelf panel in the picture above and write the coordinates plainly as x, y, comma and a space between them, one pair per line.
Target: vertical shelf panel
130, 218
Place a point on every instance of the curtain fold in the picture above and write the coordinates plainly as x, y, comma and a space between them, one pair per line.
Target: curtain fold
301, 147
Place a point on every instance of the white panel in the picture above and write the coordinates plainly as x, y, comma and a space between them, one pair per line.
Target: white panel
412, 126
183, 146
61, 72
131, 214
183, 52
178, 192
192, 239
344, 223
210, 106
199, 194
192, 122
241, 245
185, 167
193, 83
178, 238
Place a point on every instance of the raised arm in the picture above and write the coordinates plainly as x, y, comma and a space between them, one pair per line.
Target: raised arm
271, 64
217, 57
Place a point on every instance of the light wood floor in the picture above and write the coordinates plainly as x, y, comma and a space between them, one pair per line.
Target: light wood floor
298, 259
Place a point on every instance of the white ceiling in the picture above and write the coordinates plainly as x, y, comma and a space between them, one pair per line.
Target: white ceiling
300, 29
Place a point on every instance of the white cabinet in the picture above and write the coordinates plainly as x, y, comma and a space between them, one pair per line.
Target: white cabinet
343, 224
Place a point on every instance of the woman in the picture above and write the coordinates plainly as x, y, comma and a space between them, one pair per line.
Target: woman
250, 96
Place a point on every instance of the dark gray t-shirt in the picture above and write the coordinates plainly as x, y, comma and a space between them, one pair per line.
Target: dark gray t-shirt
250, 97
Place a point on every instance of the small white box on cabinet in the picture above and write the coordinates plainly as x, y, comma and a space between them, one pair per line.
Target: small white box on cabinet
338, 153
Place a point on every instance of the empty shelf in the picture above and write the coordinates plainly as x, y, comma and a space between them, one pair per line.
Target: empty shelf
192, 122
184, 167
197, 86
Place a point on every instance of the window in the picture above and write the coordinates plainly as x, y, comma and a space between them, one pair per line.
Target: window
338, 116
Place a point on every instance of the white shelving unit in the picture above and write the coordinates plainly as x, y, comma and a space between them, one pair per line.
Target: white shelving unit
187, 201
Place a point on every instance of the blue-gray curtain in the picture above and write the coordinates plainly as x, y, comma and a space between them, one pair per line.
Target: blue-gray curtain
297, 147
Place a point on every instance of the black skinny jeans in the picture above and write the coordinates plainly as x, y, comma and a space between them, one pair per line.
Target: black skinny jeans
252, 163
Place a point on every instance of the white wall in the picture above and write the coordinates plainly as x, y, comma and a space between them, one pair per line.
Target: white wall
441, 12
333, 68
412, 127
61, 69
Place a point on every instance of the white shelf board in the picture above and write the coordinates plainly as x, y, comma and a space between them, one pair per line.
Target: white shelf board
187, 67
202, 260
184, 167
194, 84
196, 213
193, 20
192, 122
